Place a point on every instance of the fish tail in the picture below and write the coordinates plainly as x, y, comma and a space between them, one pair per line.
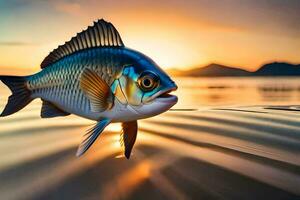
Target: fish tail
21, 95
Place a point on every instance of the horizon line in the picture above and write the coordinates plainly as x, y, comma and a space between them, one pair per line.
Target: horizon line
232, 66
171, 68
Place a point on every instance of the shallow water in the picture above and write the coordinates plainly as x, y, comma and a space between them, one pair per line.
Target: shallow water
241, 142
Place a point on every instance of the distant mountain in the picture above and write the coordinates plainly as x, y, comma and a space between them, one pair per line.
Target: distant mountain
278, 69
216, 70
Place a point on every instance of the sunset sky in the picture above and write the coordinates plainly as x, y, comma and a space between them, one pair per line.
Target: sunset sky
175, 33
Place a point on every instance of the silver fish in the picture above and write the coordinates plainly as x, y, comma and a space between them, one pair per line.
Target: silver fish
96, 77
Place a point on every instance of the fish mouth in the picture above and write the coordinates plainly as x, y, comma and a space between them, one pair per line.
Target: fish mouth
165, 96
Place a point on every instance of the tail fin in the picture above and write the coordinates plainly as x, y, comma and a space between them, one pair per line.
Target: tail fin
21, 95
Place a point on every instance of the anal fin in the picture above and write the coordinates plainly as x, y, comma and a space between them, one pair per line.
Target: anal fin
128, 136
49, 110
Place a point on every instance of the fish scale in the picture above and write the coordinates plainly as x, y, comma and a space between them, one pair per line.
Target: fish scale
64, 78
96, 77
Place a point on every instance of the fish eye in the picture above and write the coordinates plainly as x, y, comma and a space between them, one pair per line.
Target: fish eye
148, 81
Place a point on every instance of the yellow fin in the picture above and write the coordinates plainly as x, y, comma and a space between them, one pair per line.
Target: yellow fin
97, 91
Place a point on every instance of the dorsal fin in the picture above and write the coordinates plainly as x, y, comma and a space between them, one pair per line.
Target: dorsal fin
101, 34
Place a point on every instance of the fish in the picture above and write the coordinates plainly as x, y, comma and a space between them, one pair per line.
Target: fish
95, 76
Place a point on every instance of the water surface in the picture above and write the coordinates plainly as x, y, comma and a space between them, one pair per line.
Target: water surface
242, 141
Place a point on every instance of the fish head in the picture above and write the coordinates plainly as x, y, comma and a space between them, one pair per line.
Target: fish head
147, 88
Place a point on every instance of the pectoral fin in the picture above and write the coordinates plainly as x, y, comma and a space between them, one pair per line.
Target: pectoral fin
128, 136
49, 110
91, 136
97, 91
